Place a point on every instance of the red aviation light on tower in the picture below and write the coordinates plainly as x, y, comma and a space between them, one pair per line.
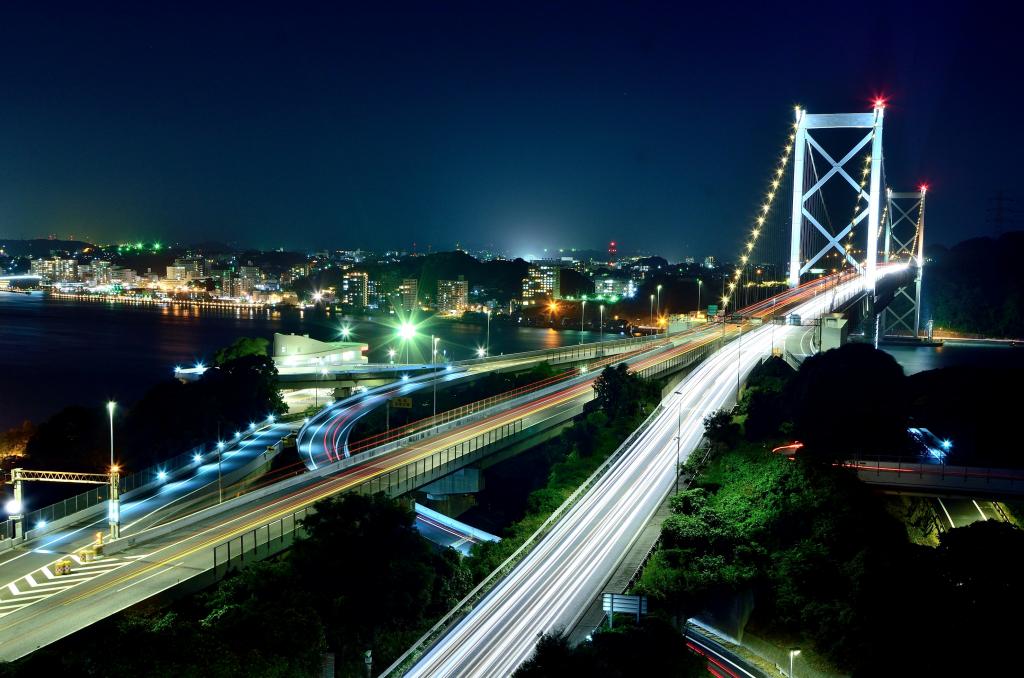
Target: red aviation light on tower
923, 188
880, 102
612, 249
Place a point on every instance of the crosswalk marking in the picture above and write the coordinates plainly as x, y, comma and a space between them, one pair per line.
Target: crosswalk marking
44, 582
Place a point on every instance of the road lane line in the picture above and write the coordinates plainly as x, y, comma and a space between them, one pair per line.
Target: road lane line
149, 577
948, 517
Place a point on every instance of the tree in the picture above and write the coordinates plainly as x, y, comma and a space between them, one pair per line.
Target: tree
619, 393
850, 401
242, 347
652, 648
720, 428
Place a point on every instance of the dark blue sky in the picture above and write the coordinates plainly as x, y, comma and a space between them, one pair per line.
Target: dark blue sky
304, 125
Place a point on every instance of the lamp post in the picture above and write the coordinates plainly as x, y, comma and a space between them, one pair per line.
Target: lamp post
220, 486
583, 314
739, 349
487, 344
652, 310
114, 508
792, 653
601, 335
699, 283
433, 345
679, 435
659, 301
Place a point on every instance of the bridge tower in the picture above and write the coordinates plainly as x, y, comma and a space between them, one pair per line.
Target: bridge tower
904, 242
806, 149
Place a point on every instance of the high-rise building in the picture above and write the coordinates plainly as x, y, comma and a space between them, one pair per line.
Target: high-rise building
541, 282
251, 273
409, 292
709, 262
177, 273
355, 288
452, 295
194, 266
55, 269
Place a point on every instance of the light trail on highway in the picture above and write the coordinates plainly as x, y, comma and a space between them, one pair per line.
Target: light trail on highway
563, 574
186, 550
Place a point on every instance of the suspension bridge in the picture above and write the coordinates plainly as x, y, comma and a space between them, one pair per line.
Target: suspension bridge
805, 264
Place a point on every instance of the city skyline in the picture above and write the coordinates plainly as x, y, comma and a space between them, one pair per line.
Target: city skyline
378, 129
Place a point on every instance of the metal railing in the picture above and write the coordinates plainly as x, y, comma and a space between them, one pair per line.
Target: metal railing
462, 411
915, 467
467, 604
259, 542
577, 352
101, 493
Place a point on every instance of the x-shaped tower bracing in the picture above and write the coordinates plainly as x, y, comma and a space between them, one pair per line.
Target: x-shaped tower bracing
805, 145
904, 242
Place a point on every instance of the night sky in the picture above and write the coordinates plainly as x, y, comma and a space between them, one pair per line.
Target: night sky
343, 125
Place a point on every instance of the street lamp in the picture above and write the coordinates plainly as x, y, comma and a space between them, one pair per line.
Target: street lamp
391, 355
679, 435
487, 344
583, 314
601, 335
114, 507
792, 653
220, 487
434, 341
659, 301
699, 283
652, 310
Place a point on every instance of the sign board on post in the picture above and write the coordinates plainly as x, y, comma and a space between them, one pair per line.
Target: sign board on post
712, 309
404, 403
617, 602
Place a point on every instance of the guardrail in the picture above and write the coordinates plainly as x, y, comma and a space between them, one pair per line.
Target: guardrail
463, 411
259, 543
579, 351
467, 604
896, 471
101, 493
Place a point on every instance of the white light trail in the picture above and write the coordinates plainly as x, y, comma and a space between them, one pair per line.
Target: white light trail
556, 582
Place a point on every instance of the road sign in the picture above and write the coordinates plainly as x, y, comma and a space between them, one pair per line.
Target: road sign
712, 309
617, 602
405, 403
817, 271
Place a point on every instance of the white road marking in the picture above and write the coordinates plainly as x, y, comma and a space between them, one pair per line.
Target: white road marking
150, 576
948, 517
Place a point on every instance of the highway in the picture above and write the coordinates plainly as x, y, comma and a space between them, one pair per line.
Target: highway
562, 575
44, 607
182, 490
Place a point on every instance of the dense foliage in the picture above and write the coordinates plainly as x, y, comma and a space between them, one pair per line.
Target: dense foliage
653, 648
826, 566
168, 420
976, 286
362, 579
